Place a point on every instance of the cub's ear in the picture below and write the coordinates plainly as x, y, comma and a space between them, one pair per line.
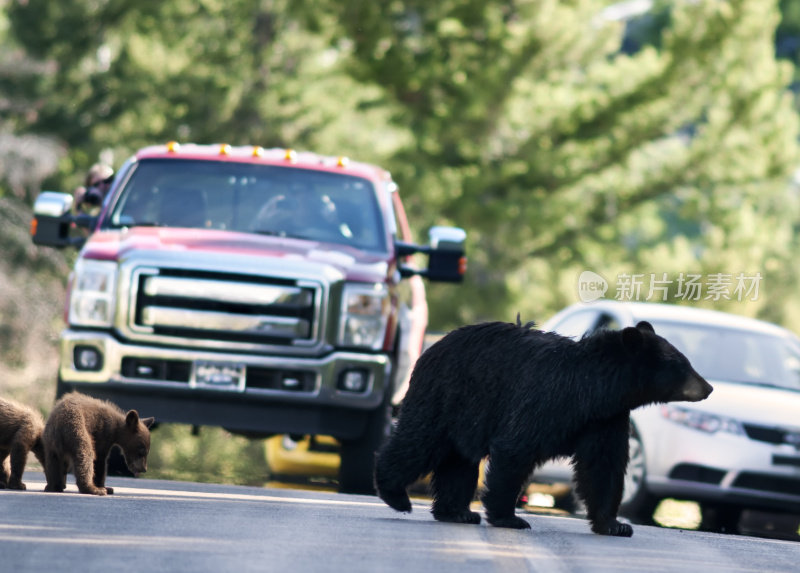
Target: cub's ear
645, 326
148, 422
132, 420
632, 339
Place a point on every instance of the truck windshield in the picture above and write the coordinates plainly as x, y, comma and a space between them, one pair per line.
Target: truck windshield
251, 198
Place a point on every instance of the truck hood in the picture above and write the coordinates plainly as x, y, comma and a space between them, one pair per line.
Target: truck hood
226, 249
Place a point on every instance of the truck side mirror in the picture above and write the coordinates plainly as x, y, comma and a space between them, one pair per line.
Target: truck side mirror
446, 259
52, 221
447, 262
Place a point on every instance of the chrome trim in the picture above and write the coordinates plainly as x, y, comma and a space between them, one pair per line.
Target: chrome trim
296, 281
326, 370
52, 204
278, 326
226, 291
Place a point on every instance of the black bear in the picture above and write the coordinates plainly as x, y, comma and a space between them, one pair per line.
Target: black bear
20, 433
80, 433
522, 397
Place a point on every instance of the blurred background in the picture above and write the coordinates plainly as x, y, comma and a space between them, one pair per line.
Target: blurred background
642, 136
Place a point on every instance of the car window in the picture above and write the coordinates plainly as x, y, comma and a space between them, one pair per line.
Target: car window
585, 322
576, 325
736, 355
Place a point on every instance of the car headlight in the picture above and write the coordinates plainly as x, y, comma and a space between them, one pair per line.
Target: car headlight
365, 314
92, 298
702, 421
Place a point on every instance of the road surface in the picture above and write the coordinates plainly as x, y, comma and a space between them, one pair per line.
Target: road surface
155, 526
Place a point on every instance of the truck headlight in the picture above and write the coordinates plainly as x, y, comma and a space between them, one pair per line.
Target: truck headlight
92, 298
365, 314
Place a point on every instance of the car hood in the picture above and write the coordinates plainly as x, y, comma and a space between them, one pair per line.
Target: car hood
135, 242
750, 403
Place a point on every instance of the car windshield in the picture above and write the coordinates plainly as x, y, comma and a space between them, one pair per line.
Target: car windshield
736, 355
252, 198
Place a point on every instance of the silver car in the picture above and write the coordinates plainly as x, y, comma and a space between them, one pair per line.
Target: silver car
740, 448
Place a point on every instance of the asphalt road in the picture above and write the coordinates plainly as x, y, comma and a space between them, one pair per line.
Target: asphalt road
155, 526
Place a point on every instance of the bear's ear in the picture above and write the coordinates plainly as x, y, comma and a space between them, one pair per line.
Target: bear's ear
632, 339
132, 420
645, 326
148, 422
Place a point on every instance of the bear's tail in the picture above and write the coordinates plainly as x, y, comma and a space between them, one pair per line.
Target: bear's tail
397, 466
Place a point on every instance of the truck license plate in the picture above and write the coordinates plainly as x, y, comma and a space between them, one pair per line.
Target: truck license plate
219, 375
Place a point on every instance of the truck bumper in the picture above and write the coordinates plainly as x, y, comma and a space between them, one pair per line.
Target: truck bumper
274, 394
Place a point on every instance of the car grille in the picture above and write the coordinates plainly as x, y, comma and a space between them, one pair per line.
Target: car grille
761, 482
693, 472
773, 435
232, 309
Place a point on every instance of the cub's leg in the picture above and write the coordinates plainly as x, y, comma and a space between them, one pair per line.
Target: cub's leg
100, 471
5, 469
504, 481
55, 471
601, 458
454, 482
83, 468
19, 457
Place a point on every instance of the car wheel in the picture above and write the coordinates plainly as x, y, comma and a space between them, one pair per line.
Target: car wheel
638, 504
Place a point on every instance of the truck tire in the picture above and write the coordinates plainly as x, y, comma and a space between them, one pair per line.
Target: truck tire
357, 457
62, 388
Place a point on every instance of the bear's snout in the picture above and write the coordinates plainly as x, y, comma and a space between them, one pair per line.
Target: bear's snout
695, 388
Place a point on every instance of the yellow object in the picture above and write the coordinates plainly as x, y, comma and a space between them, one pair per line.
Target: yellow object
313, 459
290, 458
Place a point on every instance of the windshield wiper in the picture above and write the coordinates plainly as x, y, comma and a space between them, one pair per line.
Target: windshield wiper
282, 234
143, 224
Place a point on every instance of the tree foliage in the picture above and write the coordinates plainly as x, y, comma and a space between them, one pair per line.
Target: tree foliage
524, 122
560, 152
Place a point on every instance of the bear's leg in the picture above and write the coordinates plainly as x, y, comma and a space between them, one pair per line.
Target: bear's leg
100, 470
454, 481
601, 458
5, 470
399, 463
83, 468
19, 457
504, 481
55, 473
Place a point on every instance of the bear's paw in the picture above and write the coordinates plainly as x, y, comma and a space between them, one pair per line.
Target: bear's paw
615, 528
512, 522
463, 517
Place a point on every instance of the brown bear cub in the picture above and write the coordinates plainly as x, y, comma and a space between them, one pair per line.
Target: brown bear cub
20, 432
80, 433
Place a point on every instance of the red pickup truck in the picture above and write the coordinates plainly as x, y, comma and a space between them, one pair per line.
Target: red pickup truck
261, 290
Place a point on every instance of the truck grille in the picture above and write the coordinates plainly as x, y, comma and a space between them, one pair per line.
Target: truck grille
187, 305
